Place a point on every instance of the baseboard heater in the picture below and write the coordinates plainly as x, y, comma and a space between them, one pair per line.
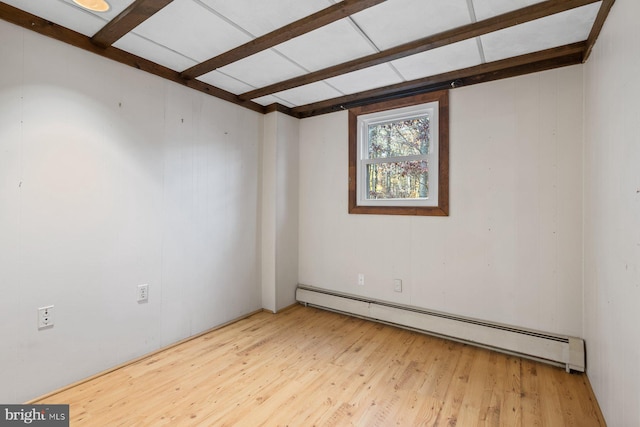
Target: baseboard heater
564, 351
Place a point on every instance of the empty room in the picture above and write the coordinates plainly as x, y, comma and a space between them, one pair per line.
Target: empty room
319, 212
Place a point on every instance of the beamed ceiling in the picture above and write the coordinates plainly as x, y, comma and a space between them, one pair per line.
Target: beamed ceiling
309, 57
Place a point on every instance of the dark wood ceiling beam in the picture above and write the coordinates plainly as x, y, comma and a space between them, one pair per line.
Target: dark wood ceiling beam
279, 108
538, 61
49, 29
138, 12
520, 16
597, 26
302, 26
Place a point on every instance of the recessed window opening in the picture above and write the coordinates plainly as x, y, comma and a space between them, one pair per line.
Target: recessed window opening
397, 151
399, 156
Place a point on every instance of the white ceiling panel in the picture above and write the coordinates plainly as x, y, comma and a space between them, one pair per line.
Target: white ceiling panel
307, 94
188, 27
144, 48
270, 99
265, 15
66, 14
187, 33
221, 80
262, 69
396, 22
444, 59
488, 8
332, 44
368, 78
556, 30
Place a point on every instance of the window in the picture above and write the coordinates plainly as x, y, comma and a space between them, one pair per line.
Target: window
399, 156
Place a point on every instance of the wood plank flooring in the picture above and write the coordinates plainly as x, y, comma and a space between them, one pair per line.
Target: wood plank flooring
308, 367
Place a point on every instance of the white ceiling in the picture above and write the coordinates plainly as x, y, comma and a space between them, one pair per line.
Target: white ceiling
187, 32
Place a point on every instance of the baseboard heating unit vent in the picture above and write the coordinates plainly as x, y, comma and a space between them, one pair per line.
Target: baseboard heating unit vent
558, 350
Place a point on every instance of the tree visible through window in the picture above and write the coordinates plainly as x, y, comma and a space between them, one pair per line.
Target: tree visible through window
398, 156
399, 179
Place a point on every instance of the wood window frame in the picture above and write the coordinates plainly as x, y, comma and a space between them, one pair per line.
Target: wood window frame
442, 208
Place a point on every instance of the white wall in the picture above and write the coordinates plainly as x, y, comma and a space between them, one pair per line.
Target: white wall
109, 178
612, 216
510, 251
287, 172
268, 231
279, 211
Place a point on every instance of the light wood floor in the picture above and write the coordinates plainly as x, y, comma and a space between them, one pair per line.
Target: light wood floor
307, 367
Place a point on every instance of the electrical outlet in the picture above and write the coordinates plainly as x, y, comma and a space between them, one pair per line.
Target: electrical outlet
397, 285
143, 293
45, 317
361, 279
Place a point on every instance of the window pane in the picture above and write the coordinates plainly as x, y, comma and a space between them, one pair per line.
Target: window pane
408, 137
398, 180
